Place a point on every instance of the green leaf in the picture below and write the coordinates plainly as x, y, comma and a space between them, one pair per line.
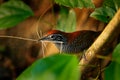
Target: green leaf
107, 11
116, 54
117, 4
104, 14
109, 3
113, 71
13, 12
114, 4
76, 3
67, 20
109, 72
56, 67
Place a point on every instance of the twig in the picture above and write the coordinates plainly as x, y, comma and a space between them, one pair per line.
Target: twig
14, 37
106, 36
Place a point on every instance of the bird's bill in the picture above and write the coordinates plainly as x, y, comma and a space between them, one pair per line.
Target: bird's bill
43, 39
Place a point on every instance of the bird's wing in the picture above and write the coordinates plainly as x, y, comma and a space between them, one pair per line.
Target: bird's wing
85, 39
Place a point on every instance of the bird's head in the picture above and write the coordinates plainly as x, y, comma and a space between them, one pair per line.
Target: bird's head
55, 36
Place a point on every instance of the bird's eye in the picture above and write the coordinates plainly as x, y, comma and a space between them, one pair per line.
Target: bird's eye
56, 37
51, 36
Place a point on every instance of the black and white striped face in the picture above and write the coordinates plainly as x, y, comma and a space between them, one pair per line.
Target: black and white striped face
54, 38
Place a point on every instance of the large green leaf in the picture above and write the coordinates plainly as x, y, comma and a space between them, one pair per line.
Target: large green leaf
76, 3
67, 20
107, 11
104, 14
13, 12
113, 71
56, 67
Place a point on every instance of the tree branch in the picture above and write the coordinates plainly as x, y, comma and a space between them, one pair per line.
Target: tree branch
108, 34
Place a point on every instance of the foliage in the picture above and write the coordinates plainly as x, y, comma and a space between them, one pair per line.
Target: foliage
67, 20
56, 67
103, 13
60, 67
113, 71
12, 13
67, 17
107, 11
76, 3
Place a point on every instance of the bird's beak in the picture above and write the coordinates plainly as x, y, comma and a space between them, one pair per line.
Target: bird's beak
42, 39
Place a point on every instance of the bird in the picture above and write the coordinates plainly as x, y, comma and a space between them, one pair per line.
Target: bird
71, 42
